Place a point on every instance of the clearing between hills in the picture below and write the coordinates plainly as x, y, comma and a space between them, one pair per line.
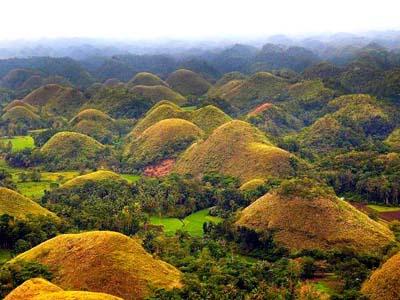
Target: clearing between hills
20, 142
193, 223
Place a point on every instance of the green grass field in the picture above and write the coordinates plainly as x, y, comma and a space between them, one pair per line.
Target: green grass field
381, 208
20, 142
189, 108
192, 223
5, 255
130, 177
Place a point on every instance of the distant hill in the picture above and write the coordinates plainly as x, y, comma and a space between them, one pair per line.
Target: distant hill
188, 83
21, 114
41, 289
145, 78
97, 176
306, 215
108, 262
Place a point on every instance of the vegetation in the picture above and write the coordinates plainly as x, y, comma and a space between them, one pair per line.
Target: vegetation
236, 149
188, 83
123, 271
145, 78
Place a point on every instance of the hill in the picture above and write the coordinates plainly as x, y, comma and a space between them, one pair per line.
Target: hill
165, 139
97, 176
112, 82
103, 261
18, 206
246, 94
20, 114
238, 149
352, 120
16, 103
71, 149
303, 214
95, 124
56, 99
384, 283
145, 78
393, 140
156, 93
207, 118
188, 83
17, 78
41, 289
251, 184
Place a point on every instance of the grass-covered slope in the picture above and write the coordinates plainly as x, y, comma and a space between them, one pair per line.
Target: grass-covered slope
103, 261
207, 118
245, 94
353, 118
41, 289
188, 83
238, 149
16, 103
18, 206
304, 214
97, 176
157, 93
384, 283
71, 149
145, 78
393, 140
165, 139
21, 114
56, 99
95, 124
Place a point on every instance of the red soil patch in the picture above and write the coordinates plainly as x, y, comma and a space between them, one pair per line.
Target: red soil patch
387, 216
390, 215
163, 168
260, 108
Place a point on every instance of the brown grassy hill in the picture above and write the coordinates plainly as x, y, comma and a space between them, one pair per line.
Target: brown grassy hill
20, 114
92, 115
103, 261
188, 82
393, 140
245, 94
165, 139
41, 289
19, 206
252, 184
56, 99
238, 149
384, 283
17, 78
16, 103
304, 214
229, 77
97, 176
145, 78
157, 93
207, 118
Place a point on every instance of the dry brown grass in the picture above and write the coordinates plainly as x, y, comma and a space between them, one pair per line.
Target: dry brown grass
145, 78
103, 261
188, 82
320, 222
384, 283
41, 289
97, 176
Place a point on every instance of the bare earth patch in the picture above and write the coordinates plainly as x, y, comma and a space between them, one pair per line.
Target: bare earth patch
163, 168
260, 108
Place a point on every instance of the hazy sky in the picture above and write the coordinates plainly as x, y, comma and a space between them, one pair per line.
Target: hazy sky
149, 19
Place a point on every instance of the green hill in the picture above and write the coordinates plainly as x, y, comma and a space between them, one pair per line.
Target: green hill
20, 114
304, 214
97, 176
68, 150
103, 261
165, 139
145, 78
157, 93
188, 83
207, 118
16, 103
18, 206
393, 140
56, 99
237, 149
41, 289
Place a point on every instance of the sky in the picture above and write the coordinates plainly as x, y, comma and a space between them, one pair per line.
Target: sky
188, 19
